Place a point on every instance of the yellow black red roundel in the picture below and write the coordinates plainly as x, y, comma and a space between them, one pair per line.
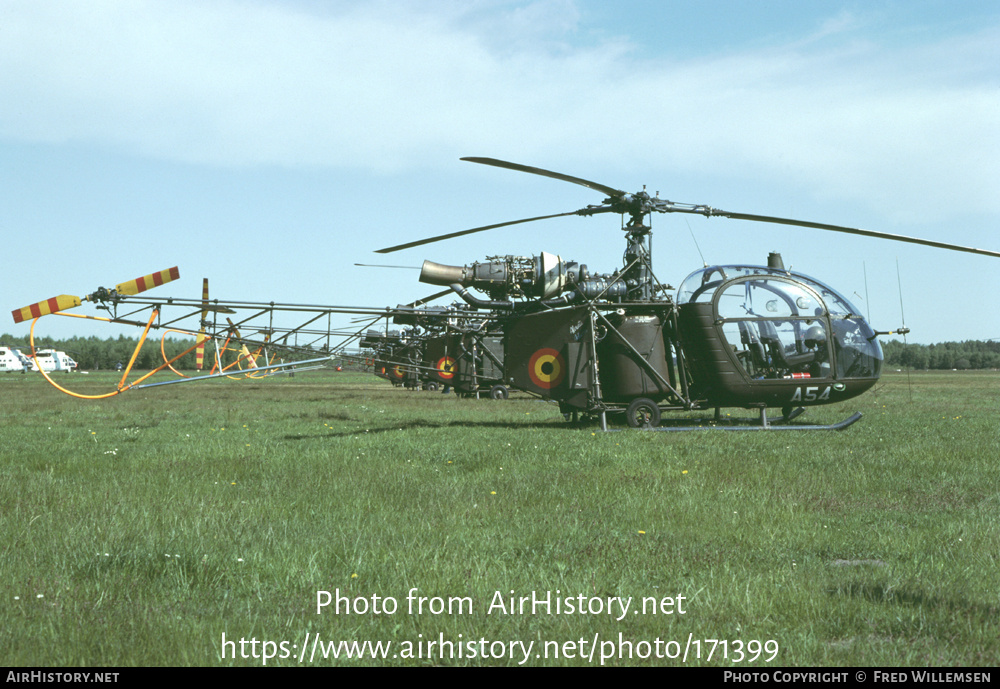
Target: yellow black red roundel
546, 368
446, 367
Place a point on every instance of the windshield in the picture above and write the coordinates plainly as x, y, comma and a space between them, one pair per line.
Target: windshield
781, 324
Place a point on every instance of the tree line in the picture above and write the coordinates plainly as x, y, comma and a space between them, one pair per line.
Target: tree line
94, 353
971, 354
97, 354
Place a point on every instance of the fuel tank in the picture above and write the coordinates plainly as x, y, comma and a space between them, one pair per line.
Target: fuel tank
639, 338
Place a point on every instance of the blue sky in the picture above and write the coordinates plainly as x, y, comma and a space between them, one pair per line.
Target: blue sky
270, 146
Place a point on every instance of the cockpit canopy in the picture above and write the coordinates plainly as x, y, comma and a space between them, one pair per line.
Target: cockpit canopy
781, 324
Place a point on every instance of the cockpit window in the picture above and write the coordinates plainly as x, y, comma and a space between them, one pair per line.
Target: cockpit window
768, 298
772, 349
785, 325
858, 352
702, 284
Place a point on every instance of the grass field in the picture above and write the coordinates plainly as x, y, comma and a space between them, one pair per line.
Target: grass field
141, 529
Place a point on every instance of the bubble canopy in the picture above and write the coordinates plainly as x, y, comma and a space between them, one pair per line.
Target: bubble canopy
781, 324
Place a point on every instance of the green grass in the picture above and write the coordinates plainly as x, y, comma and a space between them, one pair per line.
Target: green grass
139, 529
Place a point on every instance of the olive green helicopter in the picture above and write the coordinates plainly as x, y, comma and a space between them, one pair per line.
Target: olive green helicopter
623, 343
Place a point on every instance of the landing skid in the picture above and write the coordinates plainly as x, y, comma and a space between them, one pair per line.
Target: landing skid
764, 420
766, 426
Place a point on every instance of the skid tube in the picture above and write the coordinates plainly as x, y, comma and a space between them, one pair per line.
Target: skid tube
764, 424
839, 426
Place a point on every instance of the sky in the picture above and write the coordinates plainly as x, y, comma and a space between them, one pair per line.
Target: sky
270, 146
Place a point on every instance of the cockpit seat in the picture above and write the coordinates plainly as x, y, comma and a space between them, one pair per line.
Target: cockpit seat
753, 345
782, 359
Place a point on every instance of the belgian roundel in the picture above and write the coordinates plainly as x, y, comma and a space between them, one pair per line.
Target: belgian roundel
546, 368
446, 367
397, 370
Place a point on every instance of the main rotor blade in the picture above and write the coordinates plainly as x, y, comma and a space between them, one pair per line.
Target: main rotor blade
610, 191
452, 235
670, 207
850, 230
376, 265
418, 302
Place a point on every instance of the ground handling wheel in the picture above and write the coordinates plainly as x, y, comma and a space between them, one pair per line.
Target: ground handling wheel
499, 392
643, 413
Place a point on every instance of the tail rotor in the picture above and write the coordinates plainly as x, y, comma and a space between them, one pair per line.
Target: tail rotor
68, 301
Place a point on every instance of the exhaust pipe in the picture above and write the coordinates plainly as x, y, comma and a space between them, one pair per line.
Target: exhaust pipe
439, 274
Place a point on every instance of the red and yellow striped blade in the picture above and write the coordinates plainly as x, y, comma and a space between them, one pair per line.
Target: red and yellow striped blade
199, 353
42, 308
204, 297
248, 358
245, 355
148, 281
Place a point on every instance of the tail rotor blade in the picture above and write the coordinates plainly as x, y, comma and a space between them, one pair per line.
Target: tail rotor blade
43, 308
148, 281
68, 301
199, 353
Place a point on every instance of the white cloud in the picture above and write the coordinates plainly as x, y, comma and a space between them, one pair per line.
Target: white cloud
389, 85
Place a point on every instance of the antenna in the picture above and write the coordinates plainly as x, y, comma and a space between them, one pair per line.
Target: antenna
868, 304
904, 329
704, 262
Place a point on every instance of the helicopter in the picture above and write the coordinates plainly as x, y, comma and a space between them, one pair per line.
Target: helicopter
621, 343
443, 346
379, 348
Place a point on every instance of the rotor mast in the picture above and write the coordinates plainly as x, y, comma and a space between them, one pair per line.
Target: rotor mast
639, 251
